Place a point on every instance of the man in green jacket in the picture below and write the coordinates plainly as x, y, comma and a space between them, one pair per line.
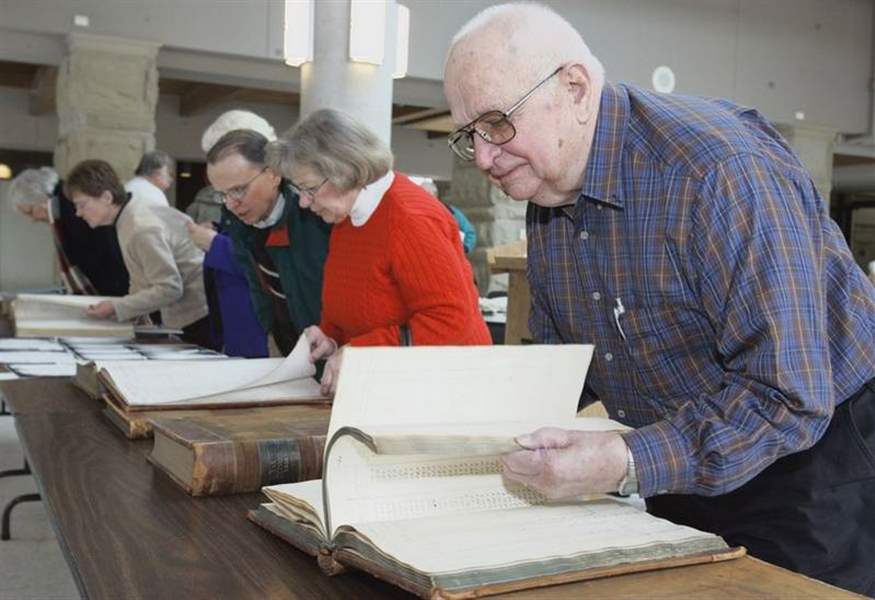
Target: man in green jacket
281, 247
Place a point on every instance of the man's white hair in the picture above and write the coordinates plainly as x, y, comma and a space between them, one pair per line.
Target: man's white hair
235, 119
541, 37
32, 186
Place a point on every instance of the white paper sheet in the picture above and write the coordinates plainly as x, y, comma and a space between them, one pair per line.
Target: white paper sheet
27, 357
37, 370
34, 344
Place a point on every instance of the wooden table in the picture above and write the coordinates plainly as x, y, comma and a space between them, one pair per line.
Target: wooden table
128, 532
511, 259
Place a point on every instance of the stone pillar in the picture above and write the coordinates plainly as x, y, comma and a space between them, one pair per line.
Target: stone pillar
814, 145
331, 80
107, 91
498, 218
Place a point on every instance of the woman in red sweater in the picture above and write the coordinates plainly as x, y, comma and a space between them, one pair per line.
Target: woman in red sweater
395, 261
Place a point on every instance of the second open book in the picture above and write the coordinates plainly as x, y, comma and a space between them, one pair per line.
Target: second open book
412, 489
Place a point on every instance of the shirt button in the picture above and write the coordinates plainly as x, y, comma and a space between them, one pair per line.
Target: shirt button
596, 296
621, 413
584, 235
609, 357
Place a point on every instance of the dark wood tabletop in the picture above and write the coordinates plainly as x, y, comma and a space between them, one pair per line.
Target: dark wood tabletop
128, 532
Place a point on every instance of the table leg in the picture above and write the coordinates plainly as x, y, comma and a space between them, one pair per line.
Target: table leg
7, 512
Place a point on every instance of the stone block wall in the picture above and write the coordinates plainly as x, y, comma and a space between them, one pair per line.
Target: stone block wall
497, 218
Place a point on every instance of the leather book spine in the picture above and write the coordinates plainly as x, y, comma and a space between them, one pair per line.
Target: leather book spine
235, 467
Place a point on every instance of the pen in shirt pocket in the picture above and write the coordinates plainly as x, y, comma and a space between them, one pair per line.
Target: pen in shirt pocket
619, 309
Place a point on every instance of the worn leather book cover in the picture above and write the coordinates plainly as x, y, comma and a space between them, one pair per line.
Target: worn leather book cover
240, 450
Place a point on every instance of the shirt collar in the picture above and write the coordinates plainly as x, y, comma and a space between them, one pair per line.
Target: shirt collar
122, 208
275, 214
369, 198
601, 180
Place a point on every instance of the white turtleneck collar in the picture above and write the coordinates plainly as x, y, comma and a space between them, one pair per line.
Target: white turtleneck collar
275, 214
369, 199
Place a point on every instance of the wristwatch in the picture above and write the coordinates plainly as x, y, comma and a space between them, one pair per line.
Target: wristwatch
629, 483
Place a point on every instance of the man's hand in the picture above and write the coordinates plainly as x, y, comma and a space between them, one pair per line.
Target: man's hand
331, 373
560, 463
202, 235
321, 346
101, 310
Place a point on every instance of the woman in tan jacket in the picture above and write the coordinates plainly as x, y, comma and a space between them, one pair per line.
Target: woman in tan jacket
165, 266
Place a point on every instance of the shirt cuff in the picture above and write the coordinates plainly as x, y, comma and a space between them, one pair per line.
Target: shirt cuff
663, 458
122, 314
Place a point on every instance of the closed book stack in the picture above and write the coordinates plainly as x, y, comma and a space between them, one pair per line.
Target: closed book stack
237, 451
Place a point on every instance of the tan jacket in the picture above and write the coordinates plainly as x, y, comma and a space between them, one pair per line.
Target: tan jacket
165, 266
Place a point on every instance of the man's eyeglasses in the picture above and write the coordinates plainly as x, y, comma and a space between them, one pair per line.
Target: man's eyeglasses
238, 192
493, 127
310, 192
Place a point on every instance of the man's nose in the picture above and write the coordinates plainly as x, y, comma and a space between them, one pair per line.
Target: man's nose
484, 153
305, 201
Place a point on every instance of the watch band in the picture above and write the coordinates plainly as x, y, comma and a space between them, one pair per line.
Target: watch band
629, 483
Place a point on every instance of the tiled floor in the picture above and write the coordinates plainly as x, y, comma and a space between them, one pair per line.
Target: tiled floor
31, 564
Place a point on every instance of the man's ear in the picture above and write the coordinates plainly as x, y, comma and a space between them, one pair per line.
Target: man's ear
106, 197
274, 176
578, 83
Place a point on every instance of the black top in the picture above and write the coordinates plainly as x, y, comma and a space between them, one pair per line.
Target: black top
95, 251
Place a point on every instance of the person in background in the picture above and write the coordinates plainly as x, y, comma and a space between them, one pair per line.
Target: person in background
466, 229
685, 239
153, 177
280, 246
90, 260
396, 272
164, 264
206, 207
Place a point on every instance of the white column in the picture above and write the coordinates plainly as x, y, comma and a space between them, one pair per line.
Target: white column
107, 91
332, 80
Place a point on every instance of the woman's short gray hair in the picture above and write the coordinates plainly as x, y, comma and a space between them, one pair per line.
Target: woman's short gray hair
334, 145
33, 186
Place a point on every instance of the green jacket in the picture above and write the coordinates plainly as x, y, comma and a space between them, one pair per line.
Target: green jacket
299, 264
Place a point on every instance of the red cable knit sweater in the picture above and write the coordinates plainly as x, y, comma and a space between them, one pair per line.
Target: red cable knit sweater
405, 265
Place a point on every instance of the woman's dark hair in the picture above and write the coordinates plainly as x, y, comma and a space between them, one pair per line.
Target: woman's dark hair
92, 178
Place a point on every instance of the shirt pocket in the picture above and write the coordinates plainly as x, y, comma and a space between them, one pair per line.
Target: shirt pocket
673, 351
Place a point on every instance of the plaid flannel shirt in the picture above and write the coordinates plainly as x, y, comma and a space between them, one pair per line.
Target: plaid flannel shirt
728, 315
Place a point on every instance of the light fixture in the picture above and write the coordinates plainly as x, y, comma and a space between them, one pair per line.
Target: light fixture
367, 31
298, 32
402, 40
5, 171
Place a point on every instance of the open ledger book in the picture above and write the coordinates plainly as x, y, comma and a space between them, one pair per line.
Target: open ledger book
412, 490
164, 385
42, 315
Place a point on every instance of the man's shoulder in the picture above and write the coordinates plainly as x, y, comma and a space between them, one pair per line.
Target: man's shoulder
692, 134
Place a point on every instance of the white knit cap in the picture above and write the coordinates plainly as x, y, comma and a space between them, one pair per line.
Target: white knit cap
235, 119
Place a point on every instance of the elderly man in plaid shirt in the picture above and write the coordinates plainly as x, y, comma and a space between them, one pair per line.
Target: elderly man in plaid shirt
684, 239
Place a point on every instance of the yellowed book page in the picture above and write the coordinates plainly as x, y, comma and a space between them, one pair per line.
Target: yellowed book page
204, 382
517, 536
451, 384
40, 327
364, 486
53, 305
300, 500
468, 439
